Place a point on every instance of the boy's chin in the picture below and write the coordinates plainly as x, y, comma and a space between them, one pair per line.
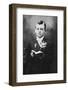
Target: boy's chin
39, 36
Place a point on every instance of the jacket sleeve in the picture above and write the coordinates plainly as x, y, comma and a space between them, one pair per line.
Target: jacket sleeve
26, 53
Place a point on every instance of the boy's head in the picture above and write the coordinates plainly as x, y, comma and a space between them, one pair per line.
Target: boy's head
40, 29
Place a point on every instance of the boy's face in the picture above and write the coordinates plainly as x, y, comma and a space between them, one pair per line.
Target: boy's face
39, 30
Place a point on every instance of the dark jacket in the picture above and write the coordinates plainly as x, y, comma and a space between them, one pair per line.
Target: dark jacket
39, 62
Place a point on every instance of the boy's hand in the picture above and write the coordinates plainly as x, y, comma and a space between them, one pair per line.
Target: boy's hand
32, 53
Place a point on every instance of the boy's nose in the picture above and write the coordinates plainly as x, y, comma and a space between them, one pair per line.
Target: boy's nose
39, 30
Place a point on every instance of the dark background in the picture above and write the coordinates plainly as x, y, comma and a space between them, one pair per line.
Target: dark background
29, 22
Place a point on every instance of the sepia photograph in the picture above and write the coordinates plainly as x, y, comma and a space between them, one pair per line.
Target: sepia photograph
39, 44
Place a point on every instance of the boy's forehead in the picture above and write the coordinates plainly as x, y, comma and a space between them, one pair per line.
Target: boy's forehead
40, 25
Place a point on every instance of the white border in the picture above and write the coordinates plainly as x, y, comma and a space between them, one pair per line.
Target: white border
39, 77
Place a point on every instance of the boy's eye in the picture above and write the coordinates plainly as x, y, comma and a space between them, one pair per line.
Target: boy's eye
41, 28
37, 28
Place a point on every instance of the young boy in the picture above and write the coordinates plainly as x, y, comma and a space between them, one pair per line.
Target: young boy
37, 52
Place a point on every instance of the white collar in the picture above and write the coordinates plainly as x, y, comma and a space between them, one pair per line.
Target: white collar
39, 39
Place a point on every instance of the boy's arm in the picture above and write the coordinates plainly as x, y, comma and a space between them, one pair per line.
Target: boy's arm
26, 53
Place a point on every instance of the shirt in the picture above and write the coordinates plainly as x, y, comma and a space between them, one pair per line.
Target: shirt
39, 40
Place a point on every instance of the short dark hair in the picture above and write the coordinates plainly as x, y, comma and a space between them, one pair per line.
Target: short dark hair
42, 22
